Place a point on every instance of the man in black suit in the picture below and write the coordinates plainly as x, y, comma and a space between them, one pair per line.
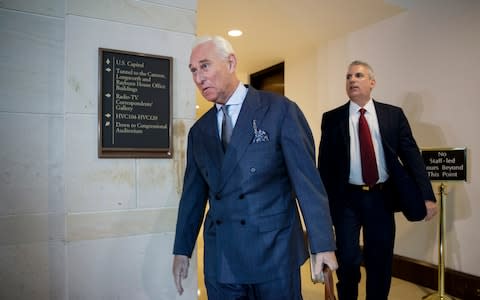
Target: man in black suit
362, 184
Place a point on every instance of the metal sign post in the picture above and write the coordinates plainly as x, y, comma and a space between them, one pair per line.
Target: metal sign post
441, 250
450, 165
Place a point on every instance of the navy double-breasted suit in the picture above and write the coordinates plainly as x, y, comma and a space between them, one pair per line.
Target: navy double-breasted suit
252, 230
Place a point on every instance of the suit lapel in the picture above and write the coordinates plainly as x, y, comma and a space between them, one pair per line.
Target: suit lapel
385, 126
383, 123
213, 145
343, 126
243, 132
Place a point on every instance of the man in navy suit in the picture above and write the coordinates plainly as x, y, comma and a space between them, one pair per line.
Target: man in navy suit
253, 236
360, 203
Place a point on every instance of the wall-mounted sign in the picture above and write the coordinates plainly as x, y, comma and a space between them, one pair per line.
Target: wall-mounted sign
135, 105
446, 164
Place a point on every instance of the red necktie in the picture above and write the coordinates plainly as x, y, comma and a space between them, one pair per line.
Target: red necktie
367, 152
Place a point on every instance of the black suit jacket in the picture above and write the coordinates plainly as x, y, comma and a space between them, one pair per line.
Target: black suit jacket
408, 183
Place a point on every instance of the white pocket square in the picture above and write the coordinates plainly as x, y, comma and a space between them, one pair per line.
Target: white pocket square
259, 135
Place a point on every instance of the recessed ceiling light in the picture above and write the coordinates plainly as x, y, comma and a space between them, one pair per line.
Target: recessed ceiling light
235, 32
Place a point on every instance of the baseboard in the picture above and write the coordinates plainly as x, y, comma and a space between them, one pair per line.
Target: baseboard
457, 284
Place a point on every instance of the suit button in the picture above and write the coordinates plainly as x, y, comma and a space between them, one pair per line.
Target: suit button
253, 170
242, 196
218, 197
242, 222
218, 222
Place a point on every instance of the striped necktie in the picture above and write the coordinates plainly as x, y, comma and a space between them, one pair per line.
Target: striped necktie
227, 127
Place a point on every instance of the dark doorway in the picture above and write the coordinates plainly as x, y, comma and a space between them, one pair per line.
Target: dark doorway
270, 79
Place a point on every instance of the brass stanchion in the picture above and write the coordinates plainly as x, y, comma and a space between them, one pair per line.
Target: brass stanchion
440, 294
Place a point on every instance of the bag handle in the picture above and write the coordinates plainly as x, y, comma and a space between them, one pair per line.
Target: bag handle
328, 280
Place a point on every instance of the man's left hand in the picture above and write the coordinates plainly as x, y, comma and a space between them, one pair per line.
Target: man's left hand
431, 209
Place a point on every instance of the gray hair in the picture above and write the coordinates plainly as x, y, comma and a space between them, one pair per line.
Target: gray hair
371, 74
223, 47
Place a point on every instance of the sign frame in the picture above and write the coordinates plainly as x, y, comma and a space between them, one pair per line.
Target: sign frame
441, 155
153, 75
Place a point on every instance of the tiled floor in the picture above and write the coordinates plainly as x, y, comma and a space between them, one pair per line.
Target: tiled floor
400, 289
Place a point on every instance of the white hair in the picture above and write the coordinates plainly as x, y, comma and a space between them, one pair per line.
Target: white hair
223, 47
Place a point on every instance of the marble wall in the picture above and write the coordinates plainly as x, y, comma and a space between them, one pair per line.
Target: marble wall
74, 226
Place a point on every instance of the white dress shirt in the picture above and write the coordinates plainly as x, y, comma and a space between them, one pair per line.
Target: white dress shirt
235, 104
355, 161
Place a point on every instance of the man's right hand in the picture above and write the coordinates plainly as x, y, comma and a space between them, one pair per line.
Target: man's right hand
180, 270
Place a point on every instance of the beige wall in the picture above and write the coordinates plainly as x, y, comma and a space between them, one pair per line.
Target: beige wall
426, 61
